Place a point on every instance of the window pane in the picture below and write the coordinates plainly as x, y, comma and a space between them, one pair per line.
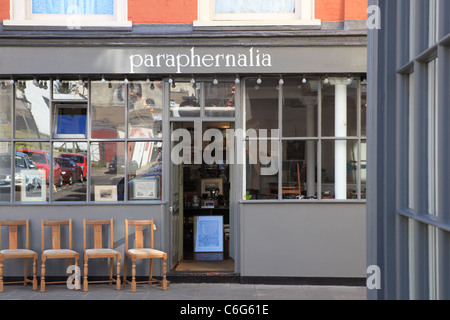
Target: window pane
300, 107
339, 169
6, 90
261, 104
108, 110
261, 170
32, 171
220, 99
70, 120
254, 6
32, 118
299, 170
184, 99
71, 157
73, 7
352, 109
145, 110
363, 110
5, 171
363, 168
107, 171
328, 96
70, 90
146, 182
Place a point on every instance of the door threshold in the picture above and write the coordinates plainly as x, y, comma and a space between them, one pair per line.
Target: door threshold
203, 277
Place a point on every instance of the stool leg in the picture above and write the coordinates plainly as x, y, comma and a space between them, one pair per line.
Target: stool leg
111, 266
133, 275
43, 274
164, 280
34, 273
118, 274
1, 274
85, 274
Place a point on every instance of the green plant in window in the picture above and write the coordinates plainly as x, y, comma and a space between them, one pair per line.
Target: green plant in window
247, 196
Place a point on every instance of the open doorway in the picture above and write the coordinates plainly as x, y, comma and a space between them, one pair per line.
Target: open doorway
205, 186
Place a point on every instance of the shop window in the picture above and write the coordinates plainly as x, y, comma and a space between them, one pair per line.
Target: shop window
5, 171
313, 164
73, 14
256, 13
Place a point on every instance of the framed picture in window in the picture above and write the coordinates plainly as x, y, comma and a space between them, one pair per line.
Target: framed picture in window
33, 186
105, 193
212, 185
145, 189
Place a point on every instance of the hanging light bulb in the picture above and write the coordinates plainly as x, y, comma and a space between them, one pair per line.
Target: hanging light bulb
58, 82
259, 81
192, 81
237, 80
11, 81
215, 81
349, 80
103, 79
110, 85
45, 85
80, 82
125, 81
147, 81
170, 80
35, 82
304, 80
152, 86
326, 80
281, 82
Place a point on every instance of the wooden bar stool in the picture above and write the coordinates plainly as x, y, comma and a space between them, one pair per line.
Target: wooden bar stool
100, 252
139, 252
14, 253
56, 252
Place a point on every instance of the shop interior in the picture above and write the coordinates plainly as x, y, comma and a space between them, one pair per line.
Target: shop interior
205, 211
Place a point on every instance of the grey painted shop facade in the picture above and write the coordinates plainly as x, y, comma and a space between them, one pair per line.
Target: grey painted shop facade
313, 235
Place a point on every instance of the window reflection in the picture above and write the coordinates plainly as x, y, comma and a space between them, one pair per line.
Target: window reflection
32, 110
6, 90
33, 165
146, 183
108, 171
185, 99
108, 109
220, 99
145, 110
70, 90
71, 157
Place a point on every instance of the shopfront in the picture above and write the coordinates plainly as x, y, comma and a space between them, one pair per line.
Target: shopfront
250, 159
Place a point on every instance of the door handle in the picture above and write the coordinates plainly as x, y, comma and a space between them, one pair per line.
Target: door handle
170, 210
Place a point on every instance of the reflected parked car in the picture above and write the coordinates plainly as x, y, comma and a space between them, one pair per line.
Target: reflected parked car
79, 159
42, 160
117, 165
70, 171
22, 162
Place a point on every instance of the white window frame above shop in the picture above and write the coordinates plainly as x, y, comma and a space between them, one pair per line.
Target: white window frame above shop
21, 15
303, 16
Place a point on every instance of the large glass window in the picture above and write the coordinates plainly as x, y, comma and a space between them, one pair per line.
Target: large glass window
307, 103
73, 7
255, 6
185, 99
93, 154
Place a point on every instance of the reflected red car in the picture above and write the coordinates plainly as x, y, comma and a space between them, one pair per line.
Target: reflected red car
70, 171
42, 160
79, 158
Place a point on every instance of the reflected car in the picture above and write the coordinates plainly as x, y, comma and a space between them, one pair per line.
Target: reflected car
42, 160
22, 162
79, 158
117, 165
70, 171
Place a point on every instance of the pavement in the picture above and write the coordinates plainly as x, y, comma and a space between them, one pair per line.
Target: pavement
188, 291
